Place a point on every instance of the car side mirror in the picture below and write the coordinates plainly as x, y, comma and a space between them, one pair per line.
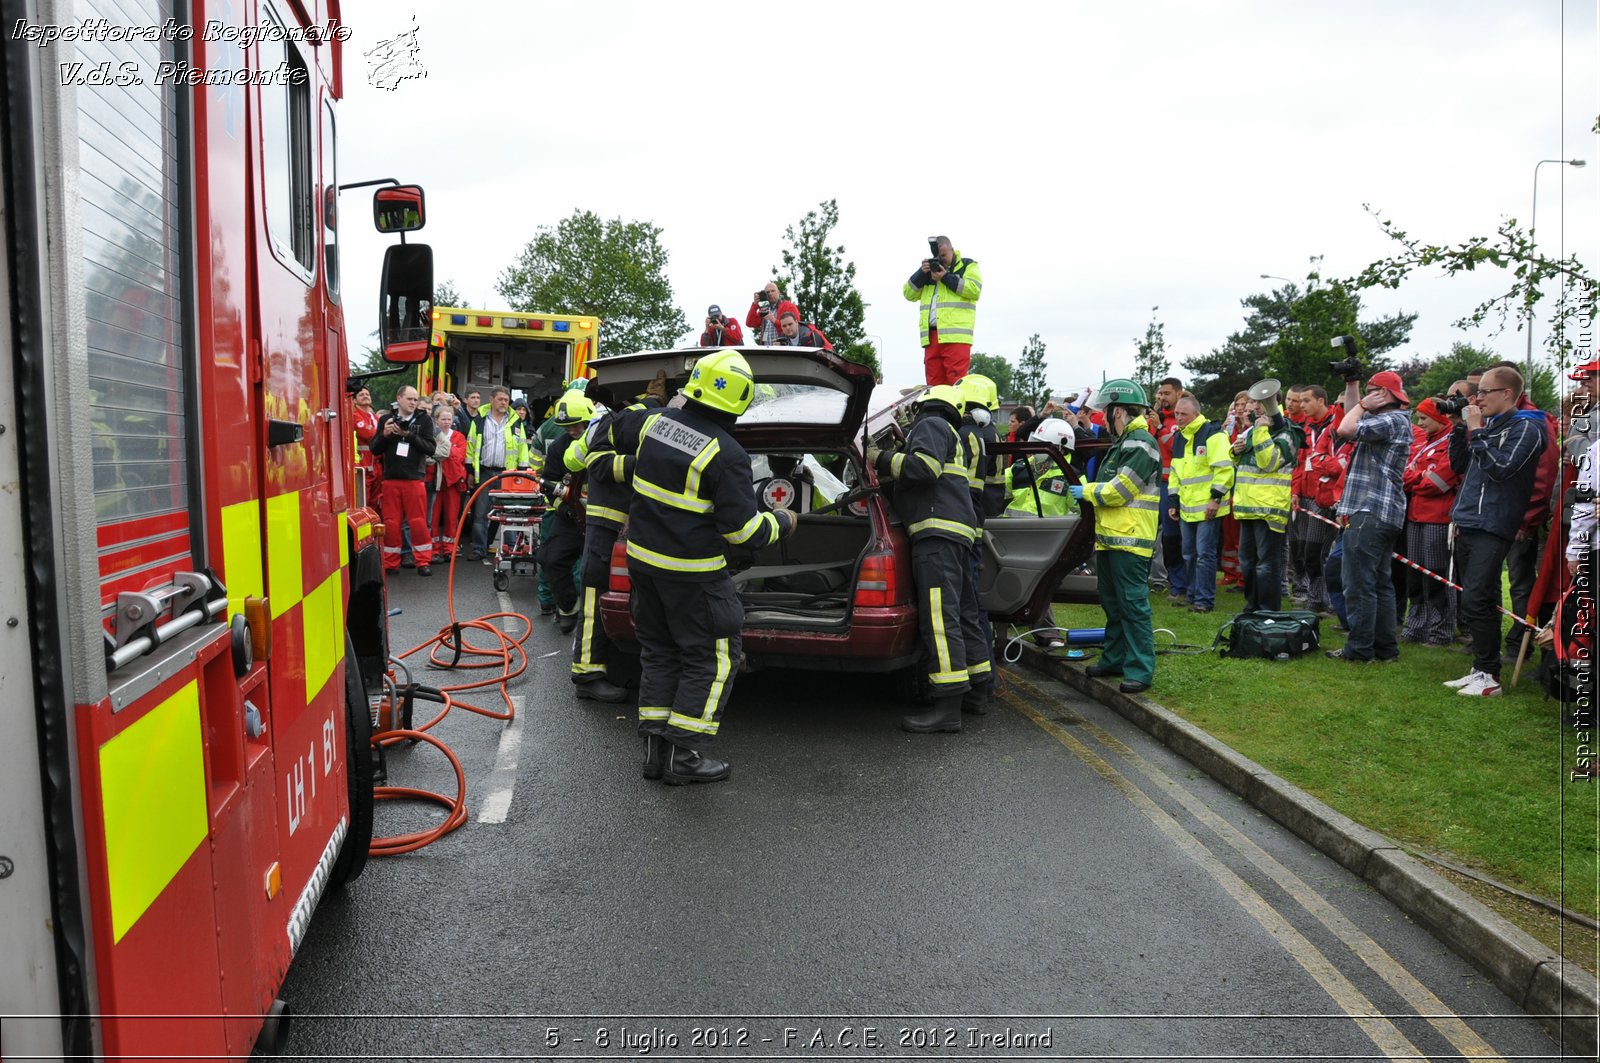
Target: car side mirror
405, 303
400, 209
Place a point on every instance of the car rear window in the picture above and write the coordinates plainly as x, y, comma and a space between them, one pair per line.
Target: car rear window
795, 404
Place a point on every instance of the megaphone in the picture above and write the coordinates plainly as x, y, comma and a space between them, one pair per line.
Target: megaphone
1266, 393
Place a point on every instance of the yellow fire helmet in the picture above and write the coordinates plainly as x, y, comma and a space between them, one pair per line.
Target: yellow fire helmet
975, 387
722, 381
574, 408
948, 394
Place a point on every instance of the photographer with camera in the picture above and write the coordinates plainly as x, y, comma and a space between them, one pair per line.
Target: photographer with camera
947, 287
1505, 444
405, 440
763, 315
721, 330
1373, 506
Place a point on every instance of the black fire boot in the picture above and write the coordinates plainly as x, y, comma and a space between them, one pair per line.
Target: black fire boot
565, 621
976, 701
683, 765
944, 715
655, 755
601, 689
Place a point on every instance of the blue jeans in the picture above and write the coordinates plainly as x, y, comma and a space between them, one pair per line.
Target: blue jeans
1168, 533
1368, 578
1261, 565
1200, 541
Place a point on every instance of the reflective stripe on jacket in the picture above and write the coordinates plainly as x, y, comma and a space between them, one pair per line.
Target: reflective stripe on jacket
953, 301
930, 474
983, 473
1264, 476
694, 495
1202, 470
1126, 493
608, 473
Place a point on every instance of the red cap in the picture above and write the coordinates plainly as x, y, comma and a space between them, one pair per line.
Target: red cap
1588, 368
1390, 382
1430, 408
787, 307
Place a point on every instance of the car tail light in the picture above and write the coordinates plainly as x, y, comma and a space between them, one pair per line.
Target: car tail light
620, 583
878, 584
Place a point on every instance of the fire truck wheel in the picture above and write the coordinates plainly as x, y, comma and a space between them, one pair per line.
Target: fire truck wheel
274, 1029
359, 769
502, 581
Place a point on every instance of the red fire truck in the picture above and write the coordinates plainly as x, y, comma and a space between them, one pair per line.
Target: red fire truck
192, 608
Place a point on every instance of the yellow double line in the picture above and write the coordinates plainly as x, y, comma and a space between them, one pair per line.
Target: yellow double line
1355, 1004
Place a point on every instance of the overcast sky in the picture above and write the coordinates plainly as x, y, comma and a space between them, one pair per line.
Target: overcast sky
1096, 159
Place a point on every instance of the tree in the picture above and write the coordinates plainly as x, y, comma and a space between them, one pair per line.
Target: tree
996, 368
1287, 334
384, 388
1511, 248
1446, 369
614, 270
1029, 379
823, 285
1151, 365
445, 293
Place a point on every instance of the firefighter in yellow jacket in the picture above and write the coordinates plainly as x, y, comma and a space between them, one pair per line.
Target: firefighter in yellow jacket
1126, 496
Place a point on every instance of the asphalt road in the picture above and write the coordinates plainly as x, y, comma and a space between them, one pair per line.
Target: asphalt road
1051, 883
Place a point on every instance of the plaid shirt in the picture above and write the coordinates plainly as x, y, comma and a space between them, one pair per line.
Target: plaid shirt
1375, 483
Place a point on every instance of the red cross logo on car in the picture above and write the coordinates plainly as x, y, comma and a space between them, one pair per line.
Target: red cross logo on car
778, 493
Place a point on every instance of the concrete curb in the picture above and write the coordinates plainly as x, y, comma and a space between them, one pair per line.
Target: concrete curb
1563, 996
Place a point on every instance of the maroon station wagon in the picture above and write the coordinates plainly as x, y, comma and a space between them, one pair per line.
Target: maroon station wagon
837, 595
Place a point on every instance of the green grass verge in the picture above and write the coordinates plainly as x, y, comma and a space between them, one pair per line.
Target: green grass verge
1480, 780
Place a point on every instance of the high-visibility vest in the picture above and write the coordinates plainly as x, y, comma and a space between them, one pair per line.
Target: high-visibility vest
1052, 498
1126, 494
1202, 472
517, 454
1264, 476
953, 302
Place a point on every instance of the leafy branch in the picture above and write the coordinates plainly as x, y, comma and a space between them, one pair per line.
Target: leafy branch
1511, 248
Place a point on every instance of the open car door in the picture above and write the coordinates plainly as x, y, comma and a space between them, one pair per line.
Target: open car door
1026, 557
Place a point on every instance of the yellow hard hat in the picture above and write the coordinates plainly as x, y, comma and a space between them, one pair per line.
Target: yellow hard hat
574, 408
975, 387
722, 381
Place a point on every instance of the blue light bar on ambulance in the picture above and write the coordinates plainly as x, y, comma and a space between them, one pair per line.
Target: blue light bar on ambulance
458, 319
561, 326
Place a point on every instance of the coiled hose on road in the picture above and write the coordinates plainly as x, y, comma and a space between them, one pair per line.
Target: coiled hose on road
450, 648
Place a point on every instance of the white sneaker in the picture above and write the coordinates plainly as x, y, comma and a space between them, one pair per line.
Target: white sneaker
1483, 685
1457, 684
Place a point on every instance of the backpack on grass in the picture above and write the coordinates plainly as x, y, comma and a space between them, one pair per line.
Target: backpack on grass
1273, 636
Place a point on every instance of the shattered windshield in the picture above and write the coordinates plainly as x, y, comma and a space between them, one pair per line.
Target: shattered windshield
795, 404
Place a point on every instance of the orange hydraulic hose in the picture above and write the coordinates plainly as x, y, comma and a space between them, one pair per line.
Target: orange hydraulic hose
450, 648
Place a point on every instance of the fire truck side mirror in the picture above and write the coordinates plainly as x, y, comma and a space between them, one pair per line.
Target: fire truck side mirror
399, 209
405, 303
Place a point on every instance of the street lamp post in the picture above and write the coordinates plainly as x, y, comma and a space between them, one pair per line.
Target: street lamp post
1533, 218
1275, 277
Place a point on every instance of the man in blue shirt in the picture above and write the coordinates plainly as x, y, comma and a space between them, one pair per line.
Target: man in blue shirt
1374, 510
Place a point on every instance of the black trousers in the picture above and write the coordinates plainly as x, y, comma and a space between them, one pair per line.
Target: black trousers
558, 554
689, 648
1260, 554
590, 646
954, 653
1479, 556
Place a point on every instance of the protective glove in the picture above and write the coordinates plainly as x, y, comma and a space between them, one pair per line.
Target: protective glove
1076, 491
789, 520
658, 387
874, 452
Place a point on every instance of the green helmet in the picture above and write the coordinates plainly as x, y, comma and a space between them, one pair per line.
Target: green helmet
1119, 392
574, 408
722, 381
977, 388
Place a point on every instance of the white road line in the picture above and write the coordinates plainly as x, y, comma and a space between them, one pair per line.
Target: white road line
502, 779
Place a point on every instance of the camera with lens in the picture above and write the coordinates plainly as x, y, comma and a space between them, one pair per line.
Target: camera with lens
1452, 405
1348, 367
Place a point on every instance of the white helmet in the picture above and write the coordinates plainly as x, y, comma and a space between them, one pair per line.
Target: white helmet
1054, 430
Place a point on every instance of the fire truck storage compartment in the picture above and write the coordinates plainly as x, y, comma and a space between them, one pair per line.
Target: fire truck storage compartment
807, 580
534, 366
